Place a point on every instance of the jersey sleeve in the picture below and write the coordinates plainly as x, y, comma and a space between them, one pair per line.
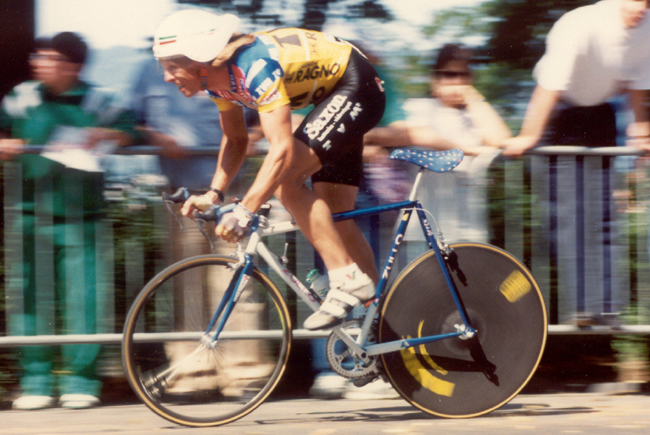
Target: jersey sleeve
266, 86
554, 70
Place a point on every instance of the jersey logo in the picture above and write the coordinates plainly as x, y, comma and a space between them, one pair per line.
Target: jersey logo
341, 128
313, 129
355, 111
288, 40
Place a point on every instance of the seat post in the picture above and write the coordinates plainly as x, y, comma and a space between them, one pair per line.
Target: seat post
416, 185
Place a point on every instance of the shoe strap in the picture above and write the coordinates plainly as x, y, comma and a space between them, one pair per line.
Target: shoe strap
343, 297
339, 303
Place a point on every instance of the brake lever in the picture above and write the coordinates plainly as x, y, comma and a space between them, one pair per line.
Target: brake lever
201, 218
180, 196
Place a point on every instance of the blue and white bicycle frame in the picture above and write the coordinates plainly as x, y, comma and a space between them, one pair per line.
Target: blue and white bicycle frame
437, 161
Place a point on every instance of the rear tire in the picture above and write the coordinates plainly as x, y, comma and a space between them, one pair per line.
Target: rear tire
464, 377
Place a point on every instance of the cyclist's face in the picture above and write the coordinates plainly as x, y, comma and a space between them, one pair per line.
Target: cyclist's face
184, 73
634, 11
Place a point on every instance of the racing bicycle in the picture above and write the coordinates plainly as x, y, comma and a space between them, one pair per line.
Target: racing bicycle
458, 332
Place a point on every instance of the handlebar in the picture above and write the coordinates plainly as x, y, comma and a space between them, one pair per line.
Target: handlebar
213, 214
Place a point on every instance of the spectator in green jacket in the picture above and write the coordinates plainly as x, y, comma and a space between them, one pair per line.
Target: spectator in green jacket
56, 202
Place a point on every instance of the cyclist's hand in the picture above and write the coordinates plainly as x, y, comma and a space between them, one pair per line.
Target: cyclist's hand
235, 225
196, 202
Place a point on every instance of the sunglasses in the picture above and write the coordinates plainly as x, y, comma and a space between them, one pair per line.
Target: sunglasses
453, 74
53, 57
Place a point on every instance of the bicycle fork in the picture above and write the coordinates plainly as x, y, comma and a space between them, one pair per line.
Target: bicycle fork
232, 294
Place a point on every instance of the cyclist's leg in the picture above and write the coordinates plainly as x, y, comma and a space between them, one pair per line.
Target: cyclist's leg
339, 198
314, 219
334, 132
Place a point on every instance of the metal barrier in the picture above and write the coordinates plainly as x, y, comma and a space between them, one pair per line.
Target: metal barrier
516, 204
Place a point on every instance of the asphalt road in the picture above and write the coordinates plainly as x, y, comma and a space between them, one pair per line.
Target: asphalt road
560, 413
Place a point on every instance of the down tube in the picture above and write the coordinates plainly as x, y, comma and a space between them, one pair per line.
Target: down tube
433, 244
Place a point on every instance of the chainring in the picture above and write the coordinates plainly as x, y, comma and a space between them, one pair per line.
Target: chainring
342, 360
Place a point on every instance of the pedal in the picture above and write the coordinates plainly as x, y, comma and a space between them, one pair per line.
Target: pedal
364, 381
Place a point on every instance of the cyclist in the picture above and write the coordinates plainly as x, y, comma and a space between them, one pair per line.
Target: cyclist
276, 72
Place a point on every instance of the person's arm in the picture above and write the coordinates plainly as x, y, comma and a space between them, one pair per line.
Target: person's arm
232, 153
168, 145
10, 148
277, 128
536, 119
119, 137
486, 119
401, 134
638, 132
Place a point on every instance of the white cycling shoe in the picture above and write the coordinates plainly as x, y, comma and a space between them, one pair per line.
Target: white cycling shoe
342, 298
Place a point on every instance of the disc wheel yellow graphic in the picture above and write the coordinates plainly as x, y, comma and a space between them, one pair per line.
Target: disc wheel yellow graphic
464, 377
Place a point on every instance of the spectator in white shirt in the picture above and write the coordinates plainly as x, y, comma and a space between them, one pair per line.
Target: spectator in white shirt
593, 53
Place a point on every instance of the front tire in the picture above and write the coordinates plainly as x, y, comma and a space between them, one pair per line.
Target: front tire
188, 379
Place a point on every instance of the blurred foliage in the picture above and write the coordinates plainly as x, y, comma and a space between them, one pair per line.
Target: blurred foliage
519, 28
314, 12
514, 30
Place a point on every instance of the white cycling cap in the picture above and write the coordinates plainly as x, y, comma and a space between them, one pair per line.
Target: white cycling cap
196, 34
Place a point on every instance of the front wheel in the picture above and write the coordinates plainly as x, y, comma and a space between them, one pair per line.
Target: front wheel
460, 377
178, 371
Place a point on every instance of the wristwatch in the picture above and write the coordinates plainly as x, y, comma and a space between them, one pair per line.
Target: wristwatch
219, 193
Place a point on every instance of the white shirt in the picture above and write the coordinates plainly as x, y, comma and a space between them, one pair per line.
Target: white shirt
452, 124
457, 199
591, 55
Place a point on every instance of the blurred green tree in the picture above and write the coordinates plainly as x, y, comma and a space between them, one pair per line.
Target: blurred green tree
314, 11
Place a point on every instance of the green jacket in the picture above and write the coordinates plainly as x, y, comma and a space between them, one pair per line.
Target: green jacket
31, 113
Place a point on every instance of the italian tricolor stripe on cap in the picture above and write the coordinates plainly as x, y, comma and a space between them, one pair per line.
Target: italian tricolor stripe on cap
167, 40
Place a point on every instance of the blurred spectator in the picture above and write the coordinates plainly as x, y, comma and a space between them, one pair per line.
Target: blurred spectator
55, 286
176, 124
593, 54
457, 116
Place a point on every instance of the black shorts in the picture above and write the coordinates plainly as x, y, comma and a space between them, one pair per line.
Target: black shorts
590, 126
335, 128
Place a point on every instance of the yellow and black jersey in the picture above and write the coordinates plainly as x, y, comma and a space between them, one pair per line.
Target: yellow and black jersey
284, 66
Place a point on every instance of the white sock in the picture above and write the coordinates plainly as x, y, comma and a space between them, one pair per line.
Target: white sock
347, 273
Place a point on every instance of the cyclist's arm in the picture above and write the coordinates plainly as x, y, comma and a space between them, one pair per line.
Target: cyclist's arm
536, 119
232, 152
279, 160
